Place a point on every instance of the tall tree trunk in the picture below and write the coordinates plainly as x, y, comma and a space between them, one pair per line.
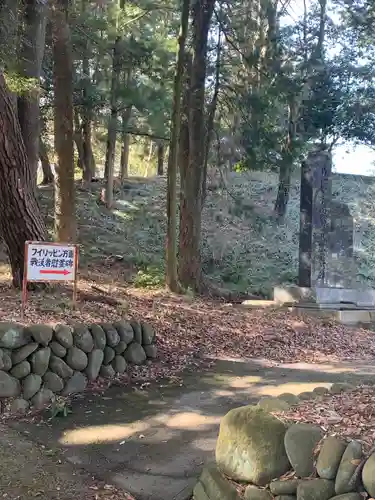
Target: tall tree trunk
65, 219
46, 166
171, 242
160, 167
31, 58
20, 217
286, 165
89, 160
125, 144
211, 116
190, 268
112, 125
78, 139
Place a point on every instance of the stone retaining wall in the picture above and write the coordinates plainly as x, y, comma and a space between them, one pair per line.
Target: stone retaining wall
39, 361
262, 457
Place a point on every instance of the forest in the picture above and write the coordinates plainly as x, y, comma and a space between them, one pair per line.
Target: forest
97, 93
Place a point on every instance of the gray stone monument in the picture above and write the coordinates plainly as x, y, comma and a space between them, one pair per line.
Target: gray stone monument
316, 193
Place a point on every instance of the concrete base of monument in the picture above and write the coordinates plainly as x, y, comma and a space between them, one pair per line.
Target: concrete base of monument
350, 317
325, 297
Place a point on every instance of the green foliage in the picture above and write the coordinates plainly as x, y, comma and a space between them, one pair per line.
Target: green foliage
150, 277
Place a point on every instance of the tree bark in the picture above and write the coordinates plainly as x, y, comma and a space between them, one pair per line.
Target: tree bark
31, 58
125, 143
89, 159
190, 268
20, 216
78, 139
65, 219
48, 177
160, 167
171, 242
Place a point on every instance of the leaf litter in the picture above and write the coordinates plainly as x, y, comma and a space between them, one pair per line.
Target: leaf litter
349, 414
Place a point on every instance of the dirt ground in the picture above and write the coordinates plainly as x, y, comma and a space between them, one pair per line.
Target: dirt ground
31, 471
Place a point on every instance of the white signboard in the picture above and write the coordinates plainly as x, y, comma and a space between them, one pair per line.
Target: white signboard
50, 261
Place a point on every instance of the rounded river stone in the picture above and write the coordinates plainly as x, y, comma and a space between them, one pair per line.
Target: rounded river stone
368, 475
9, 386
300, 443
137, 329
21, 370
107, 371
113, 338
77, 383
31, 385
58, 349
273, 404
254, 493
53, 382
23, 352
76, 359
119, 364
59, 366
99, 336
330, 457
109, 355
315, 489
95, 360
287, 487
135, 354
82, 338
40, 360
348, 465
148, 334
125, 331
151, 351
64, 335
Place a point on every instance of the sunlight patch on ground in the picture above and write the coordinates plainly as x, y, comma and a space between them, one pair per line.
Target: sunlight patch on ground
294, 387
101, 434
190, 420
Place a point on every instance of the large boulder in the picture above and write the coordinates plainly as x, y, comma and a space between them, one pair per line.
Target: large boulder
13, 336
41, 333
94, 364
368, 475
77, 383
348, 465
64, 335
315, 489
330, 457
99, 336
300, 443
250, 446
57, 365
31, 385
135, 354
82, 338
40, 360
125, 331
76, 359
9, 386
23, 352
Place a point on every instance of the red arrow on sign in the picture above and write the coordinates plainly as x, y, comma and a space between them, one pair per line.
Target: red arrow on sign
65, 272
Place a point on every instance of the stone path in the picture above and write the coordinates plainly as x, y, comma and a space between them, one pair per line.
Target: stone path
153, 443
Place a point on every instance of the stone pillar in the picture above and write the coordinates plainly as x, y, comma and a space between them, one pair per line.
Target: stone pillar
315, 199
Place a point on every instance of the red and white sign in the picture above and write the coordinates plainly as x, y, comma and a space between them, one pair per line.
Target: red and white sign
50, 261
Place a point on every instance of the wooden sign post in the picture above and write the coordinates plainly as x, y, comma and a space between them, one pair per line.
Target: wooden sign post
49, 262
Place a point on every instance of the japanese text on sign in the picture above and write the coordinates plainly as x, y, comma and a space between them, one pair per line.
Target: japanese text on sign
50, 262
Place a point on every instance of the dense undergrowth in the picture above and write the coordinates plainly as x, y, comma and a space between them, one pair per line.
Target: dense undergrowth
243, 247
